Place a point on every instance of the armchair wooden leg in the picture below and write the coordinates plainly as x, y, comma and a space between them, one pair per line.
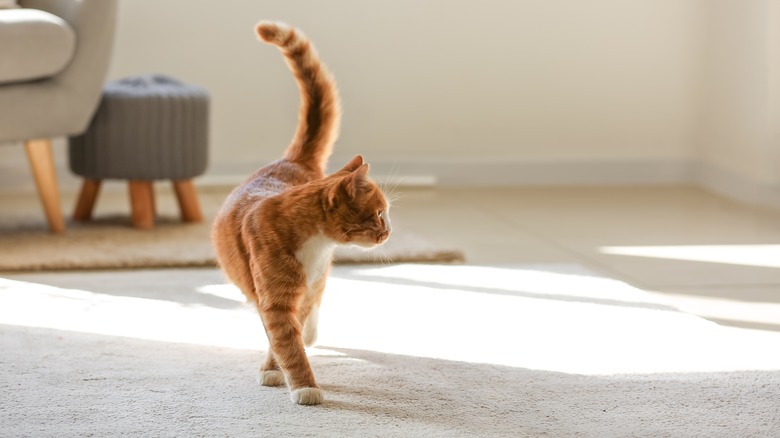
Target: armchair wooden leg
42, 164
86, 202
188, 201
142, 204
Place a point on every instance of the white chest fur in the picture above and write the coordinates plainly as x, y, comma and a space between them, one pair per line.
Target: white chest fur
315, 256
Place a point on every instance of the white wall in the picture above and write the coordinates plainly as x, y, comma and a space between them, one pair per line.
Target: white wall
738, 143
438, 81
523, 91
734, 74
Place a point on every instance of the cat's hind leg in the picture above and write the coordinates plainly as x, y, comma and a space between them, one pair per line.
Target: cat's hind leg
269, 373
310, 311
310, 326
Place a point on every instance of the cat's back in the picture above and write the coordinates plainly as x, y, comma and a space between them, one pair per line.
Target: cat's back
266, 182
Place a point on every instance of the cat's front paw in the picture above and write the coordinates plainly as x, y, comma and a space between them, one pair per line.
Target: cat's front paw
307, 396
270, 378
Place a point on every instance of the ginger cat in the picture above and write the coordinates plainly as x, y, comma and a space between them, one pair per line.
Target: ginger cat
276, 233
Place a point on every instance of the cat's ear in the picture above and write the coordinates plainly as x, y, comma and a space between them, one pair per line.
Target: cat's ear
353, 164
353, 182
362, 171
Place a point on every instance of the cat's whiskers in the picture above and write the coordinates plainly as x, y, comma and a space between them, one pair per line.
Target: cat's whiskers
345, 235
392, 183
395, 197
383, 259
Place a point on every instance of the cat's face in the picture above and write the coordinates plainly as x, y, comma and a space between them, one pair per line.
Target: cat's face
357, 210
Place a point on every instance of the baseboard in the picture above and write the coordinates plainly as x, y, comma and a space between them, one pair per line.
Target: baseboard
489, 173
733, 186
501, 172
534, 172
548, 172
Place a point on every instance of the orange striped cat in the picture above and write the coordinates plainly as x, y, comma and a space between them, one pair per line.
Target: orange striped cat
276, 233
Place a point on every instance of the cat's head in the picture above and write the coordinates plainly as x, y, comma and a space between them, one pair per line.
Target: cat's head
357, 211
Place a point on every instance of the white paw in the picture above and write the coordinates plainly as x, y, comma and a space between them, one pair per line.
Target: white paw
270, 378
306, 396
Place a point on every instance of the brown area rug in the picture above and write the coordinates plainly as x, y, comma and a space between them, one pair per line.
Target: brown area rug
110, 243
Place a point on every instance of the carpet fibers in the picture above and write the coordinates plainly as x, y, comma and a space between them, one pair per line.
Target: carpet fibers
404, 350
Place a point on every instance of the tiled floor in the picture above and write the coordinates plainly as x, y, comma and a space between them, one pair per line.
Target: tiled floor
707, 255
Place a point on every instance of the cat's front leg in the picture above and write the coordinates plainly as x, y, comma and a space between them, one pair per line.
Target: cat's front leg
284, 333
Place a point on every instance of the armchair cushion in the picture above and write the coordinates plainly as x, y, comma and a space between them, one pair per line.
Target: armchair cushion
35, 44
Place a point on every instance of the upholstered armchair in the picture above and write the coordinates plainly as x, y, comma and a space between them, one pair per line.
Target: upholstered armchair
54, 57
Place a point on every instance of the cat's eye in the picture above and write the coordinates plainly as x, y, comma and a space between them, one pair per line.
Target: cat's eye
380, 214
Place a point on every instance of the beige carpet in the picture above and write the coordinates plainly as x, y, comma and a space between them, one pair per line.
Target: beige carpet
110, 243
404, 351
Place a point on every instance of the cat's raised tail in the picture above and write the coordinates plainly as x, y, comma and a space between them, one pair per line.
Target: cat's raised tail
320, 112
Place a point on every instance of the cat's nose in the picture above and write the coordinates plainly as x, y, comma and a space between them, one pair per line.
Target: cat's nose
387, 223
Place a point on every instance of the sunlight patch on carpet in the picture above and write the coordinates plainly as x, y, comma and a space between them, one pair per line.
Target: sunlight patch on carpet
226, 291
554, 318
36, 305
568, 284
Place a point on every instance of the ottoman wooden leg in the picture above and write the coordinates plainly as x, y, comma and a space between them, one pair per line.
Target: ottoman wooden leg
142, 204
86, 202
188, 201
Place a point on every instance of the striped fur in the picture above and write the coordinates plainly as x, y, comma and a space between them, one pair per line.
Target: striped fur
320, 111
274, 235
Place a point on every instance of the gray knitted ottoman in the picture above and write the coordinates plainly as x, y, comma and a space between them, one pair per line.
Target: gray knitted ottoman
146, 128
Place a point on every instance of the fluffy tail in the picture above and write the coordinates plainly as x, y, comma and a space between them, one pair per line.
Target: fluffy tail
320, 112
